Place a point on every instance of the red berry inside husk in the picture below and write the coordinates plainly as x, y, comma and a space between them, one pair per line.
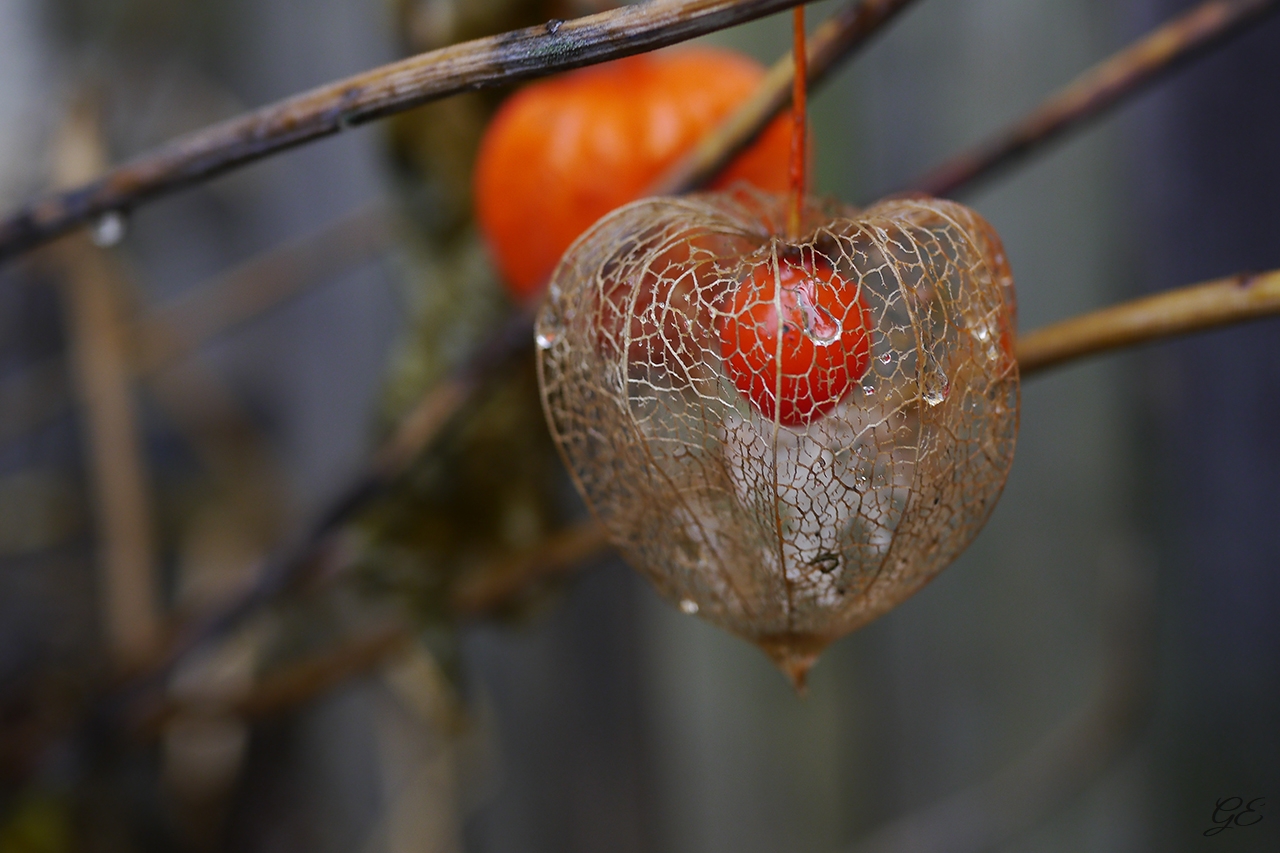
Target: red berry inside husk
825, 344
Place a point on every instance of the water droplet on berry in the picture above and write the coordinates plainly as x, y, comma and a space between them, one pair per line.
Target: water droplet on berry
819, 326
109, 230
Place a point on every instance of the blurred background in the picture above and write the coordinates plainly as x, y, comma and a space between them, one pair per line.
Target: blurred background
182, 392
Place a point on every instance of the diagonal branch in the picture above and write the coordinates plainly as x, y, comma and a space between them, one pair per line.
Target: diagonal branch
834, 41
1234, 299
1099, 89
389, 89
175, 330
313, 547
170, 333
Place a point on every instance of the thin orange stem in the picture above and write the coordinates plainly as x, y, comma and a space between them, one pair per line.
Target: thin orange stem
799, 119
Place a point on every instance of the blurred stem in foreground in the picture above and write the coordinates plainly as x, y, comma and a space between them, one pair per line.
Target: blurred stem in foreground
129, 587
166, 335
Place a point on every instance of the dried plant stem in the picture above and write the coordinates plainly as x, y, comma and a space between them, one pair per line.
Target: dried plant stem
131, 607
1196, 308
130, 602
393, 88
177, 329
478, 594
313, 677
165, 336
493, 588
295, 685
835, 40
1099, 89
799, 123
316, 544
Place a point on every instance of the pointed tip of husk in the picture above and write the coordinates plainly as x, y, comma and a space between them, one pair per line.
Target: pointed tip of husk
795, 655
797, 670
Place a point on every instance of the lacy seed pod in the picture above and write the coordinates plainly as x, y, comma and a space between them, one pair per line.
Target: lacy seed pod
787, 437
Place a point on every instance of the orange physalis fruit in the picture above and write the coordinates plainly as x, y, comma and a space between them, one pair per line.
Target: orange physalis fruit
825, 346
563, 152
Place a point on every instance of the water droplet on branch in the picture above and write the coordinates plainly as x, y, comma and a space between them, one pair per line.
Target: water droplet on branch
109, 230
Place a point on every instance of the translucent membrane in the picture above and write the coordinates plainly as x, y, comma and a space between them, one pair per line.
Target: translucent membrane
789, 524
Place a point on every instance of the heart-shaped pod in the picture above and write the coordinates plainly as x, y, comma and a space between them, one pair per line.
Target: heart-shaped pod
789, 527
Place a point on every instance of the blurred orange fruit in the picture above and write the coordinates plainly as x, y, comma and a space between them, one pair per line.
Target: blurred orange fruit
561, 153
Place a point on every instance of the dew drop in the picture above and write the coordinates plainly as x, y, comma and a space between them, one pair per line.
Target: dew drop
936, 389
689, 606
819, 326
109, 230
553, 26
886, 358
868, 390
550, 328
